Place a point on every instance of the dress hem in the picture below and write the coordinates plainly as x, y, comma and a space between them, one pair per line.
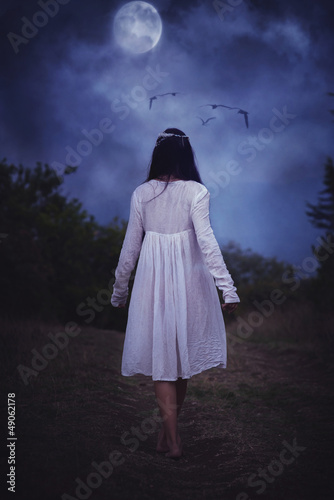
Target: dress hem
220, 365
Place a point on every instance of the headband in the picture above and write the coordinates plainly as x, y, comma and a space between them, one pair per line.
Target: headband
164, 135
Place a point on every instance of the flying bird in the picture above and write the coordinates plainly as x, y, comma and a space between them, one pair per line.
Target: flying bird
214, 106
245, 113
170, 93
240, 111
153, 98
206, 121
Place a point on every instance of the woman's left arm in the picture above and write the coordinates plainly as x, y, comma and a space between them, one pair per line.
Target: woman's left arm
129, 254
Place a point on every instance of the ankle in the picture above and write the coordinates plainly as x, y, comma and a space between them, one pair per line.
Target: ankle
173, 441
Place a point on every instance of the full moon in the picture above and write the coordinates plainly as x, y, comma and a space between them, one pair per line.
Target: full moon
137, 27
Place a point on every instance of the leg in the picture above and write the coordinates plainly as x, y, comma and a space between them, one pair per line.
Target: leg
181, 389
166, 395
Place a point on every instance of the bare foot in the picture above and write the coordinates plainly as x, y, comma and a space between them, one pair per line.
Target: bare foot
162, 446
175, 450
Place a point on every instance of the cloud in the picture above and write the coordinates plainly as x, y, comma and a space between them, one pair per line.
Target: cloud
265, 55
288, 37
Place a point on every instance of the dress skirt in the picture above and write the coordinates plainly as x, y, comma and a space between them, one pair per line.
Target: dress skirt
175, 324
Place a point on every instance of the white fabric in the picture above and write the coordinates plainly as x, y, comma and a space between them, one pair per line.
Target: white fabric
175, 323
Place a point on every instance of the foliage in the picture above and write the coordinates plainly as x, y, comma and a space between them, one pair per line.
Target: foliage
57, 261
321, 216
254, 275
55, 253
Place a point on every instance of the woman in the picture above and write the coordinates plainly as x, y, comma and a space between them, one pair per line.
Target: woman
175, 325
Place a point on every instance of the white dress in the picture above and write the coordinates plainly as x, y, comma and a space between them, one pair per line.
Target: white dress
175, 324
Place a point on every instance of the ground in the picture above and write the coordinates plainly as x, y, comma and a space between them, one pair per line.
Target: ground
260, 429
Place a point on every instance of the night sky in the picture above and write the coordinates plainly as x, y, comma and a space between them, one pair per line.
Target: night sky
273, 59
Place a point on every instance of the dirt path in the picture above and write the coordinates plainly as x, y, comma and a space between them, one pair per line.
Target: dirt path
262, 428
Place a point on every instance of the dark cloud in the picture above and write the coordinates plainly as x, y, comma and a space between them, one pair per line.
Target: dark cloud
71, 94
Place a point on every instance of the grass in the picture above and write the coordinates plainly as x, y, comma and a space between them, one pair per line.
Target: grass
276, 388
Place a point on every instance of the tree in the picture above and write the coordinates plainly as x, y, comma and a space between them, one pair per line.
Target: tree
254, 275
322, 216
55, 253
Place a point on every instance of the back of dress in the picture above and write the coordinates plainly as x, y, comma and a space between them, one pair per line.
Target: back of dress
175, 325
182, 210
167, 210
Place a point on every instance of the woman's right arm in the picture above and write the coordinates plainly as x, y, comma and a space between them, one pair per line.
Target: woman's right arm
210, 248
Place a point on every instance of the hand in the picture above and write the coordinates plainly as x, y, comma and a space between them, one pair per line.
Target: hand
121, 306
230, 307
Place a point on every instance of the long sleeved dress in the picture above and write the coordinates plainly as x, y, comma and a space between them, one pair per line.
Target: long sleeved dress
175, 324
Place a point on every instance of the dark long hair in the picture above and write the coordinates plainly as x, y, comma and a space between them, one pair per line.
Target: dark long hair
173, 157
